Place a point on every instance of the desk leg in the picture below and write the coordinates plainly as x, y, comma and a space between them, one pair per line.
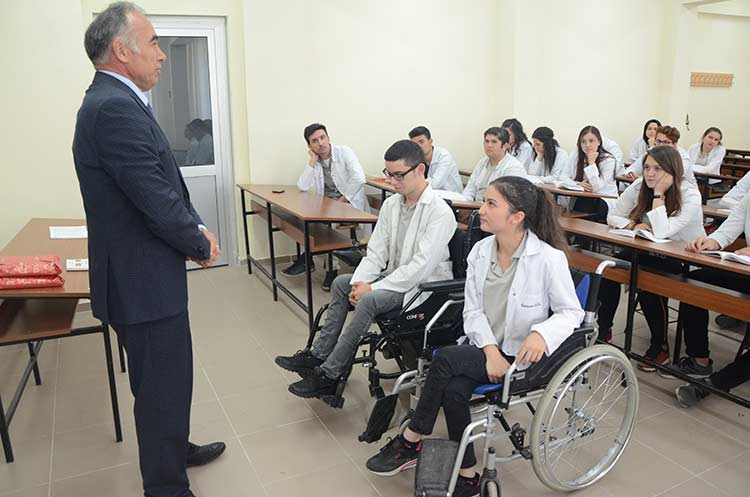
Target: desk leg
4, 435
705, 191
308, 277
112, 385
247, 239
632, 293
32, 355
273, 254
744, 345
121, 353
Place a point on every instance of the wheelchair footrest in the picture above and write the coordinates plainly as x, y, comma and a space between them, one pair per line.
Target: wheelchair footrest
380, 418
435, 467
335, 401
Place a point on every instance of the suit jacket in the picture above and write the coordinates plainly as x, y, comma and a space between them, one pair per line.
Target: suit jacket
141, 223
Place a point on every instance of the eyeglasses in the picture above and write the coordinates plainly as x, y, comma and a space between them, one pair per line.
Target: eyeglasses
663, 142
398, 176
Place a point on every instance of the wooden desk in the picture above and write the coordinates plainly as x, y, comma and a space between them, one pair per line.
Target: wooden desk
303, 216
738, 152
572, 193
34, 315
624, 179
465, 172
714, 212
385, 188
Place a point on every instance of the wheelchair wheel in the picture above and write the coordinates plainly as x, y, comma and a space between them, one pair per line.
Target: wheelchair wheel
585, 419
490, 488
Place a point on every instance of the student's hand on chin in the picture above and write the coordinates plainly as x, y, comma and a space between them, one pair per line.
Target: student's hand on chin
532, 349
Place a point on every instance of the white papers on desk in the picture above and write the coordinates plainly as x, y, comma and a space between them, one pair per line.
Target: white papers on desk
68, 232
77, 264
640, 233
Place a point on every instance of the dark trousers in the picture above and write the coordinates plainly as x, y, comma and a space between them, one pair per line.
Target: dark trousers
733, 374
695, 319
654, 307
454, 373
160, 364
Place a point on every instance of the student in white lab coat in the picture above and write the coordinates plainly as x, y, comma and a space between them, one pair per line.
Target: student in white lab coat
707, 156
665, 135
595, 172
333, 171
665, 204
520, 305
497, 163
610, 146
550, 162
695, 320
646, 141
520, 147
409, 246
737, 193
442, 170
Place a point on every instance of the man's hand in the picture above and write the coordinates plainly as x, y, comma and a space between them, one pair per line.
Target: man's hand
215, 250
586, 186
313, 157
702, 243
532, 349
497, 365
359, 289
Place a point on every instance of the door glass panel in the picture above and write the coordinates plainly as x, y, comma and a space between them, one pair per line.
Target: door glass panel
182, 99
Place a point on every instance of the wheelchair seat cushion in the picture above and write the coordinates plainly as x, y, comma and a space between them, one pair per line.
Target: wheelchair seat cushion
487, 388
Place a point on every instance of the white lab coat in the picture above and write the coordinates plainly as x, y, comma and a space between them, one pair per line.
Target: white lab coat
639, 148
610, 146
737, 223
737, 193
542, 283
525, 154
508, 166
686, 226
713, 164
637, 166
424, 255
443, 173
602, 179
347, 174
559, 171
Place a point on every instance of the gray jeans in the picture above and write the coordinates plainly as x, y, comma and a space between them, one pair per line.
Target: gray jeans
336, 348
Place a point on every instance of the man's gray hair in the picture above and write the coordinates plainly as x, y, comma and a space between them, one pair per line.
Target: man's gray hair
112, 24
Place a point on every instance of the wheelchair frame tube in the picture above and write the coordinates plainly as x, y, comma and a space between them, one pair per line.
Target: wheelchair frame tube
466, 439
506, 382
434, 319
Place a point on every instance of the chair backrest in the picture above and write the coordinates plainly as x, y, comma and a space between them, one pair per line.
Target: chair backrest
456, 250
582, 282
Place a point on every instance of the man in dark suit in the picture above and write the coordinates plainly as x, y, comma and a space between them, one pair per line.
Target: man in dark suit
142, 227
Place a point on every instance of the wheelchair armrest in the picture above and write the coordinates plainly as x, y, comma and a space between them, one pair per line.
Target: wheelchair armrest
443, 286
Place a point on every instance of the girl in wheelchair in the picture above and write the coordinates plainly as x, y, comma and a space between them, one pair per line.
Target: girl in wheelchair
520, 305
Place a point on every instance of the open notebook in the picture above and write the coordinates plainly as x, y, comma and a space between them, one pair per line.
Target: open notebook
565, 184
641, 233
728, 256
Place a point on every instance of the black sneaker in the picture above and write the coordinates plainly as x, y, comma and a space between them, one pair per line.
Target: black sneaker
351, 257
689, 395
328, 281
314, 385
467, 487
691, 367
298, 267
394, 458
727, 323
302, 362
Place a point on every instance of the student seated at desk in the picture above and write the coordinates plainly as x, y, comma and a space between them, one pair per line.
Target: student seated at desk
665, 135
520, 148
520, 304
550, 161
664, 203
496, 164
694, 319
334, 171
594, 169
610, 146
442, 170
646, 141
409, 246
737, 193
707, 155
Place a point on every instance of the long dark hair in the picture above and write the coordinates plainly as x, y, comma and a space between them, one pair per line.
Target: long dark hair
670, 161
645, 127
540, 212
547, 137
712, 129
603, 153
519, 136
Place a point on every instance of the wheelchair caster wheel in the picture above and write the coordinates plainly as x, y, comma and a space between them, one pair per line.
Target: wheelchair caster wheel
489, 487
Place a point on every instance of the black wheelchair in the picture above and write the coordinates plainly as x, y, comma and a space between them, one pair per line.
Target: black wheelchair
583, 399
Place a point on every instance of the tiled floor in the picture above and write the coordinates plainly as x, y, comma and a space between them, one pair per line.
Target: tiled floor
279, 445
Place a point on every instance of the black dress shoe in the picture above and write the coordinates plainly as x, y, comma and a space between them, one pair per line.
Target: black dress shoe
198, 455
315, 385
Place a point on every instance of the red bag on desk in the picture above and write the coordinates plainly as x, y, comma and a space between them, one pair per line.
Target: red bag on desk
29, 265
14, 283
